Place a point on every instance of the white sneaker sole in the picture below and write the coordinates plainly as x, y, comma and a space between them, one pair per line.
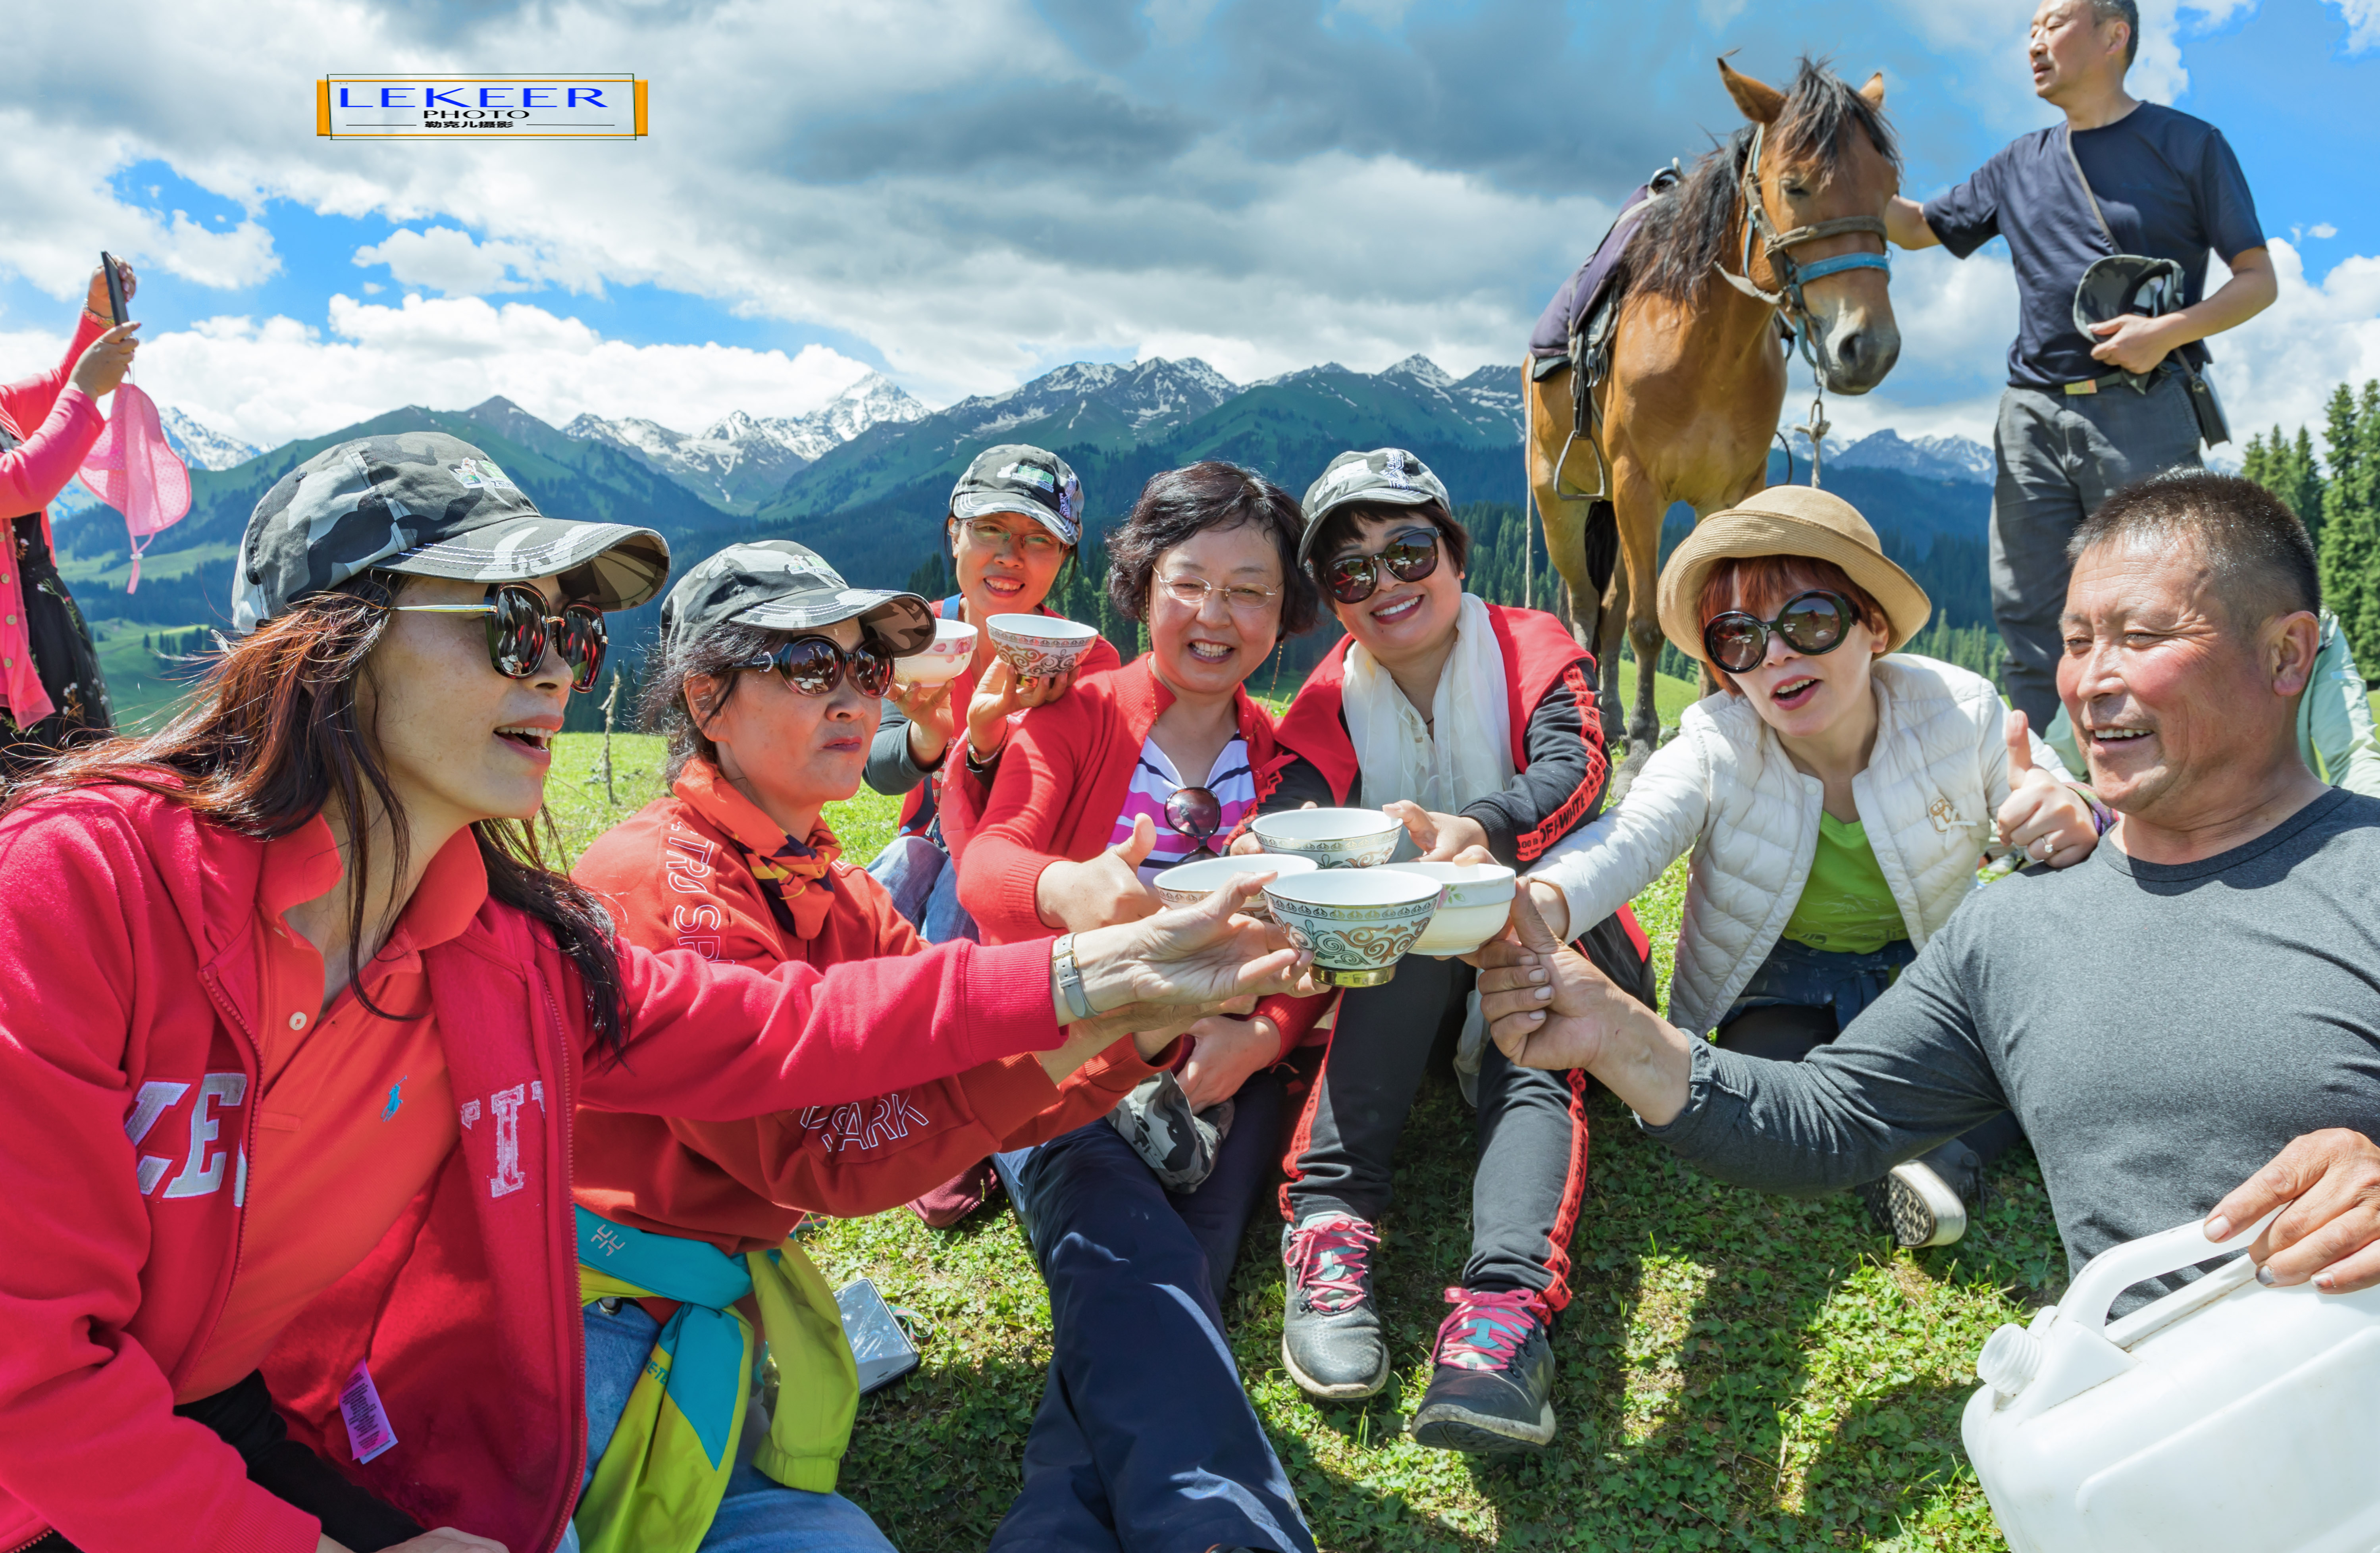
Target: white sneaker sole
1925, 1210
1346, 1393
1446, 1426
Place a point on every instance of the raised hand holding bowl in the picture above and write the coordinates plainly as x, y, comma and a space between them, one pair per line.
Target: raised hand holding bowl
939, 662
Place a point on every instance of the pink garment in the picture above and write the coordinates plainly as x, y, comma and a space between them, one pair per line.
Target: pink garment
63, 424
133, 470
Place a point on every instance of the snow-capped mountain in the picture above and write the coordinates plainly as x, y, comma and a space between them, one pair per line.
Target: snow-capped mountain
1144, 396
741, 460
1960, 459
200, 446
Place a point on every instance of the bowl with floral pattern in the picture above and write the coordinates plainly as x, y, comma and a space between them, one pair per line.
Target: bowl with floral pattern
1333, 838
1358, 922
1189, 884
1478, 902
940, 660
1039, 646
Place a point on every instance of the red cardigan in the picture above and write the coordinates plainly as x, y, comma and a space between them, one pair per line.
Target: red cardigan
1062, 782
127, 1032
56, 422
675, 879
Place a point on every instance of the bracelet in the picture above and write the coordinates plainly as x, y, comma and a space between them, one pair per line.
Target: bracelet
97, 317
2103, 818
1070, 979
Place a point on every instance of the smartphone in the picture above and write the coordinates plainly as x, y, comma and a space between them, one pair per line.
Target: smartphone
115, 288
878, 1342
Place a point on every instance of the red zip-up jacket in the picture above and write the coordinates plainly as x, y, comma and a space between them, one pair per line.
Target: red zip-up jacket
675, 878
1062, 782
126, 1033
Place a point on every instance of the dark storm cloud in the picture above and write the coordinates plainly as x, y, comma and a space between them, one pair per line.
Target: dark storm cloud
1060, 131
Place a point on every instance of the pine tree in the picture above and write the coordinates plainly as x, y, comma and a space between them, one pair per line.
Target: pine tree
2302, 483
2350, 517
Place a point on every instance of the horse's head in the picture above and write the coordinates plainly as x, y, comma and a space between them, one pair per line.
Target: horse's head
1826, 161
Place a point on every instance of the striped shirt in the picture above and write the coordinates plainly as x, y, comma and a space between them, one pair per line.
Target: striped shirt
1154, 781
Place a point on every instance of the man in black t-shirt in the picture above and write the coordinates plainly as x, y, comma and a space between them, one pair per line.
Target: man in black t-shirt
2082, 417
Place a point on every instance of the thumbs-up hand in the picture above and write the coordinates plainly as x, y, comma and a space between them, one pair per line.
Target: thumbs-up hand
1102, 890
2043, 819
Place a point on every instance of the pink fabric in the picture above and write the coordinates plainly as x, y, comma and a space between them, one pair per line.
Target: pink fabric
56, 425
133, 470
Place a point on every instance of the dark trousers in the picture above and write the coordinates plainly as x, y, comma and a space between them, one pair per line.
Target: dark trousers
2057, 458
244, 1417
1146, 1440
1531, 1161
1788, 1032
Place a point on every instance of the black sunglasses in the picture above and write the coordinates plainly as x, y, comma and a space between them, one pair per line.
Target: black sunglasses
815, 665
1812, 623
1196, 813
520, 632
1410, 557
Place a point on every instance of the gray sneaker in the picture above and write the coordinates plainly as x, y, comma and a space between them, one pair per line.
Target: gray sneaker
1330, 1331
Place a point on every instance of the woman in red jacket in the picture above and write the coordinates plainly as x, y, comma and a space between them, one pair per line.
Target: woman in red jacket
51, 689
286, 1088
1477, 724
1015, 517
766, 681
1144, 1438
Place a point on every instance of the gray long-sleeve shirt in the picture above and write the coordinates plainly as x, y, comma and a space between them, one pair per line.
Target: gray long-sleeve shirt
2160, 1031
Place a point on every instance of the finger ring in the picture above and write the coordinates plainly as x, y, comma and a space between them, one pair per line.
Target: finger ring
2049, 849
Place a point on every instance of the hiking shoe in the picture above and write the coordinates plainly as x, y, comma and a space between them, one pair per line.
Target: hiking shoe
1330, 1331
1493, 1390
1915, 1206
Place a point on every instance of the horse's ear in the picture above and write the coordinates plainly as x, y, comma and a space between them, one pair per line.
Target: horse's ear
1873, 91
1760, 102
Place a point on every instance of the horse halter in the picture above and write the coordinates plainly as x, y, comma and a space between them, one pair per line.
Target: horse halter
1776, 248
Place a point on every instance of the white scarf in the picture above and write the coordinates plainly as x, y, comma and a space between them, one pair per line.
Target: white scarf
1471, 754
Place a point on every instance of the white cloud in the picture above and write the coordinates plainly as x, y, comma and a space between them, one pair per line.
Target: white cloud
448, 261
2362, 17
271, 380
2278, 367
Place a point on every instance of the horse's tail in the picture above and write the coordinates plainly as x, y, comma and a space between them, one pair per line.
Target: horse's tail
1602, 542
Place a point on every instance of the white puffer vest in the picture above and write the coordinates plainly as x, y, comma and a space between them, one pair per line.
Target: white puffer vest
1725, 787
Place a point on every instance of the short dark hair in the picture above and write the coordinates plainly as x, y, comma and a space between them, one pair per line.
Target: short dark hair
1344, 524
2262, 561
2126, 11
1180, 504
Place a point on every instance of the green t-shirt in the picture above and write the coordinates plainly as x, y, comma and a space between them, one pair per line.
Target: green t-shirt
1845, 907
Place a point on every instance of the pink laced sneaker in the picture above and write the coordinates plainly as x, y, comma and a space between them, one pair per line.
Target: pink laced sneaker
1486, 1332
1328, 1260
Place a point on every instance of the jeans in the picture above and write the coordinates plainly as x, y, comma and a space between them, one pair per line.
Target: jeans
924, 885
2059, 456
760, 1514
1800, 998
1144, 1439
1532, 1130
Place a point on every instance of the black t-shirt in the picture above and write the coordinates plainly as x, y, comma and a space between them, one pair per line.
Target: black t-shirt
2170, 187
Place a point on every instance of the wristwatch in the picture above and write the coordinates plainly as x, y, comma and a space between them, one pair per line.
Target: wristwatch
1070, 979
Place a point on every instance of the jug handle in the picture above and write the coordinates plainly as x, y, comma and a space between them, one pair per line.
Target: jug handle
2116, 1269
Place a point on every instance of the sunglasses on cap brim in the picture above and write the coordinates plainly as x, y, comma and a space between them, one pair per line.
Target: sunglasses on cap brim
520, 632
1812, 623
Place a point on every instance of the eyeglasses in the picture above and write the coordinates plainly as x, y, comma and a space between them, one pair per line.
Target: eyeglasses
1240, 599
520, 632
1812, 623
815, 665
1410, 557
1036, 540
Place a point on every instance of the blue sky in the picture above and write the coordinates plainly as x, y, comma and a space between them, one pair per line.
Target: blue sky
964, 195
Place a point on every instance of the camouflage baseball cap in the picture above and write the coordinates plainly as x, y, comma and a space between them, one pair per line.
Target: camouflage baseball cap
426, 504
1030, 480
782, 585
1386, 476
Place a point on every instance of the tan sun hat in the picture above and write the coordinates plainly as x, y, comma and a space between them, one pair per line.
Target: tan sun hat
1786, 520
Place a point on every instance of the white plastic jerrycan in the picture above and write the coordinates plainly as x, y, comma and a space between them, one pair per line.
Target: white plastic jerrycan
2226, 1415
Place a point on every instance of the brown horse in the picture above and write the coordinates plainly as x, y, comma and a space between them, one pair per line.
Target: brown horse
1697, 377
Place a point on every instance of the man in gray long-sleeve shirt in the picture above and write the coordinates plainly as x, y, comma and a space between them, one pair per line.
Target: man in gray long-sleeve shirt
2195, 1007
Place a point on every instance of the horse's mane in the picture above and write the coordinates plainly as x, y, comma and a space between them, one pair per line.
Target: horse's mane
1684, 233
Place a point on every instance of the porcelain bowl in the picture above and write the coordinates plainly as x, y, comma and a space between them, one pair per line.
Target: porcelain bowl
1039, 646
1359, 923
1478, 901
940, 660
1333, 838
1189, 884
